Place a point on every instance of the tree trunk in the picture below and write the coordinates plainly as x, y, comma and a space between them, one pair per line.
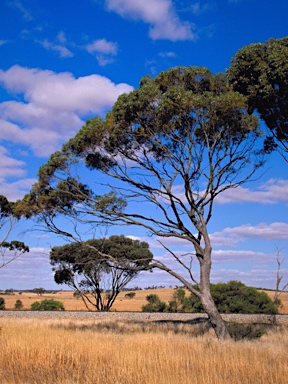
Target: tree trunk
205, 296
214, 316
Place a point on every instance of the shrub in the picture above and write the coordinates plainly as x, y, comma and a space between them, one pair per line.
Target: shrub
245, 331
77, 294
130, 295
177, 302
18, 305
234, 297
2, 304
154, 304
47, 305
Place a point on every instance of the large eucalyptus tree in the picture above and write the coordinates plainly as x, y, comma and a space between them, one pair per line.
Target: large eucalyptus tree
165, 151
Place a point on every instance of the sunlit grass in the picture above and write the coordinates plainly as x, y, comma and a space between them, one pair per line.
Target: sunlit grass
124, 352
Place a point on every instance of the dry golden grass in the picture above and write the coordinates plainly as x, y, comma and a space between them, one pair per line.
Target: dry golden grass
61, 352
121, 304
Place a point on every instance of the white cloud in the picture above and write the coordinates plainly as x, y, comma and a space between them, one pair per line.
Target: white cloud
103, 46
53, 106
273, 191
16, 190
63, 51
10, 166
235, 235
159, 14
104, 50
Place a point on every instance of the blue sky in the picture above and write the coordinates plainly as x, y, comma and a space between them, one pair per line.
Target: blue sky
63, 62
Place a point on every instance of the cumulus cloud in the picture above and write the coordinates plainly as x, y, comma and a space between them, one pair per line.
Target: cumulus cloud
16, 190
10, 166
232, 236
273, 191
104, 50
53, 105
159, 14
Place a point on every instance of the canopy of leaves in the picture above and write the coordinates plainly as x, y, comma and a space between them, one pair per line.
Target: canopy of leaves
260, 71
114, 261
101, 254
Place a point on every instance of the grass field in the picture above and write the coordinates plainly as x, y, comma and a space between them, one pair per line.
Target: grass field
95, 352
121, 303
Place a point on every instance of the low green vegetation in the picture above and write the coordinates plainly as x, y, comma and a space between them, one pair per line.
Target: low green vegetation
154, 304
47, 305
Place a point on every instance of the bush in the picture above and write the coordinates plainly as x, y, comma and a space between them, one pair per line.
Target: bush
245, 331
154, 304
177, 302
47, 305
234, 297
2, 304
18, 305
130, 295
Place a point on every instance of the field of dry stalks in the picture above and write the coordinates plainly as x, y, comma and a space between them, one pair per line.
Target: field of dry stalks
121, 303
52, 351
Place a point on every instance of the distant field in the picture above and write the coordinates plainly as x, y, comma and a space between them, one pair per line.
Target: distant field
121, 303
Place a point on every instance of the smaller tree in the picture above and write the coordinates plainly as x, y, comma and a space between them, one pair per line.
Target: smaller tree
2, 304
130, 295
18, 305
39, 291
47, 305
100, 269
154, 304
279, 277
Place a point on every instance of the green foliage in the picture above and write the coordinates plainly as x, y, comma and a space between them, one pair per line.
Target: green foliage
260, 72
178, 300
231, 297
47, 305
103, 265
7, 221
18, 305
245, 331
6, 208
154, 304
2, 304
